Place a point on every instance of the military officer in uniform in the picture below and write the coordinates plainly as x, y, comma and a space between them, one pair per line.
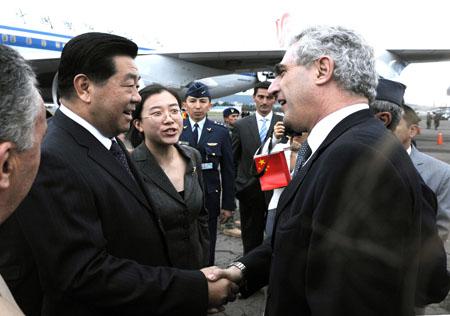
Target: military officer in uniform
213, 141
230, 116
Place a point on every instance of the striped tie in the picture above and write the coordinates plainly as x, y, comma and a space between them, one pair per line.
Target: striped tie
302, 156
263, 130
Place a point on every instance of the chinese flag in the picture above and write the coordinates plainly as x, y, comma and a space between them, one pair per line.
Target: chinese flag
272, 170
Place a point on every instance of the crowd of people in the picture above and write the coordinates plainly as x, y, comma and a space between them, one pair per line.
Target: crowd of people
92, 227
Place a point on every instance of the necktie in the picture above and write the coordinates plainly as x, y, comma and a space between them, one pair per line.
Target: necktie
120, 156
263, 130
302, 156
195, 134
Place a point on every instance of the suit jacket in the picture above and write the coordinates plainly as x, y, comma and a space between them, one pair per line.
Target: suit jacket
436, 175
18, 267
99, 246
347, 229
8, 306
185, 220
214, 146
245, 142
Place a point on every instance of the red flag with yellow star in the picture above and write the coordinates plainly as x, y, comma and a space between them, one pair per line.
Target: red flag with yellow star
272, 170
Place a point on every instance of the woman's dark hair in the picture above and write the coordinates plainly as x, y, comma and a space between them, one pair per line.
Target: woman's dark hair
134, 135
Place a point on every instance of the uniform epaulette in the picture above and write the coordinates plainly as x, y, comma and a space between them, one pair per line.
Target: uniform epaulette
220, 124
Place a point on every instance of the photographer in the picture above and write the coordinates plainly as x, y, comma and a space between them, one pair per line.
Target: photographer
291, 149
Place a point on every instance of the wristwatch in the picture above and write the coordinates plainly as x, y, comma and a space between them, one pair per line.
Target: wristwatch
240, 266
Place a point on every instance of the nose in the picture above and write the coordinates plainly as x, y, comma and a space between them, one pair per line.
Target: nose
274, 87
168, 119
136, 97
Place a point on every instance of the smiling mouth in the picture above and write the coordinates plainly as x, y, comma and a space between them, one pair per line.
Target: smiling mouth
129, 113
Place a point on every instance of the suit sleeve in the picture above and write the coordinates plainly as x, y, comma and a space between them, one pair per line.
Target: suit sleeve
433, 281
227, 172
60, 221
203, 216
257, 273
443, 200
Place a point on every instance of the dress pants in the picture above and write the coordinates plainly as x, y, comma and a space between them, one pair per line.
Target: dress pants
213, 206
253, 209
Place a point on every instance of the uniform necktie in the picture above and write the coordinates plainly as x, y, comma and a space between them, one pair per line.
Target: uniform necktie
120, 156
195, 133
302, 156
263, 130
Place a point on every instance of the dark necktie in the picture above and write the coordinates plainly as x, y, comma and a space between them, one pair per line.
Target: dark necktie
302, 156
195, 134
120, 156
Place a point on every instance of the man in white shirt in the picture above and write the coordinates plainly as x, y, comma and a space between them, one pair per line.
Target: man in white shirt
347, 228
247, 136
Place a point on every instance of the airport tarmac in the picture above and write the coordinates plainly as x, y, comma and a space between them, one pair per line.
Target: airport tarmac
230, 248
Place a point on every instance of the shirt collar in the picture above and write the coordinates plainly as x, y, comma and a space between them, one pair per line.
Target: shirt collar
88, 126
200, 123
321, 130
268, 117
409, 150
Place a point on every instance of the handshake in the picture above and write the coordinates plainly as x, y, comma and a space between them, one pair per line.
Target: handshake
222, 286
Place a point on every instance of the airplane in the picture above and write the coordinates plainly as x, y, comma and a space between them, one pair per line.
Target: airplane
225, 72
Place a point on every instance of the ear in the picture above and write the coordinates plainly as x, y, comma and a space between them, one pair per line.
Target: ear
386, 117
83, 87
138, 124
5, 164
414, 130
324, 69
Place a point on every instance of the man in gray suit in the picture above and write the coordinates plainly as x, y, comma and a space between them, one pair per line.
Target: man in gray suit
247, 135
434, 172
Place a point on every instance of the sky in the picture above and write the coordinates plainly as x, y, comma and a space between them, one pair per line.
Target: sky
211, 25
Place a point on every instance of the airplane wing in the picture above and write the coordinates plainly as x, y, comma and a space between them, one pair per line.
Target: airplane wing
421, 55
223, 62
233, 61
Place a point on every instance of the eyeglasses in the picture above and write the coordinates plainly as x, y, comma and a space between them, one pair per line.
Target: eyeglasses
163, 115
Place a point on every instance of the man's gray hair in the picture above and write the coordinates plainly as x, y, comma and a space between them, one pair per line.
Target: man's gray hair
354, 60
378, 106
19, 99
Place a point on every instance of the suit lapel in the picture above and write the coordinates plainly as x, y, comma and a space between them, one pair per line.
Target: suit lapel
187, 134
151, 170
98, 153
341, 127
254, 131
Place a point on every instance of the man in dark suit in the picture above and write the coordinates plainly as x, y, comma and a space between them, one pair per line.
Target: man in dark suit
98, 245
22, 128
348, 225
213, 141
247, 136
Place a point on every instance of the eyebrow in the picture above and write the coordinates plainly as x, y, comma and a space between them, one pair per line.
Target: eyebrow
132, 76
278, 69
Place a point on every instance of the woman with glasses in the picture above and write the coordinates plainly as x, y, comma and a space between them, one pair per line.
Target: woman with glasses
172, 175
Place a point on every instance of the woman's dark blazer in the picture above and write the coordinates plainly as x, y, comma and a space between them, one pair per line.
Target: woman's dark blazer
185, 220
